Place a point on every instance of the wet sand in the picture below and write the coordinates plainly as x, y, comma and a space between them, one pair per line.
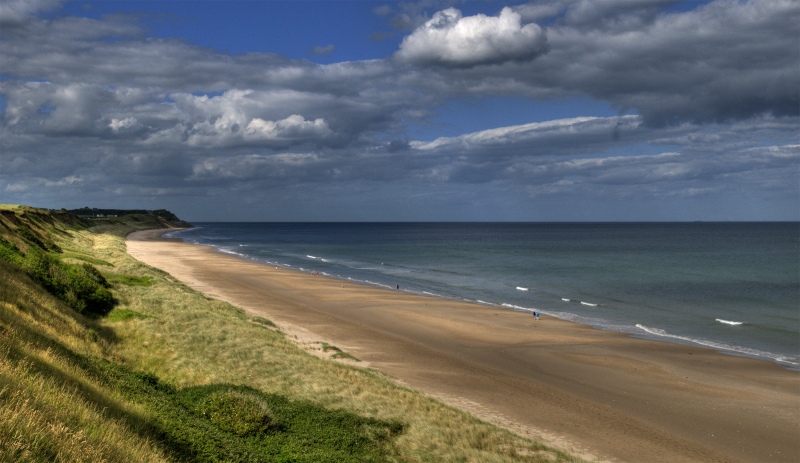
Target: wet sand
599, 394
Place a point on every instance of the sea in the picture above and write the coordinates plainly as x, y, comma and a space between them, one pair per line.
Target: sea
733, 287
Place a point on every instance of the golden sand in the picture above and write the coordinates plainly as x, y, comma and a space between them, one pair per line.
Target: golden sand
596, 393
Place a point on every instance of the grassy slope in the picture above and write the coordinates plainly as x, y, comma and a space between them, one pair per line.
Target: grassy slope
171, 375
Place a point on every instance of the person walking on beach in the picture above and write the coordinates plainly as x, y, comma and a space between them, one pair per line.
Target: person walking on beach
398, 287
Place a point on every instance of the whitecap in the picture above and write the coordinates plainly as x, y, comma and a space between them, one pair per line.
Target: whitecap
520, 288
719, 346
589, 304
728, 322
565, 299
431, 294
517, 307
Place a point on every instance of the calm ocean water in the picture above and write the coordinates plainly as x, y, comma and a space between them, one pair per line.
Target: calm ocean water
734, 287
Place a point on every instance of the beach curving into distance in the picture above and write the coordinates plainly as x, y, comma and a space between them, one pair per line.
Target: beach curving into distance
597, 394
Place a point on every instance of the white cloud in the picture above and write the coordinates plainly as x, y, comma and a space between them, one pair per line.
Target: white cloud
13, 11
127, 123
449, 39
293, 127
537, 138
98, 100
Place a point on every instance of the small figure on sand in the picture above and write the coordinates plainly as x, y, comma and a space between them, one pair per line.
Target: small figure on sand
398, 287
535, 315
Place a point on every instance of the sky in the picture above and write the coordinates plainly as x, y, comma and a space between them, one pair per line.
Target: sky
430, 110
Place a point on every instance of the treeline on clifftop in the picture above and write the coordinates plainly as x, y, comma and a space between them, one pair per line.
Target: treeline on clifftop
162, 214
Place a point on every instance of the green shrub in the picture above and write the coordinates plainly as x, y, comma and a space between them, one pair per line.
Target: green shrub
224, 422
82, 287
237, 412
10, 253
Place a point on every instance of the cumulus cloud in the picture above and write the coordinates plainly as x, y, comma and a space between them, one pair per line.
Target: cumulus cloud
700, 94
125, 124
449, 39
721, 61
293, 127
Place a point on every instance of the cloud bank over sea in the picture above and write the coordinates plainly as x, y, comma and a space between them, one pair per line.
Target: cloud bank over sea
701, 118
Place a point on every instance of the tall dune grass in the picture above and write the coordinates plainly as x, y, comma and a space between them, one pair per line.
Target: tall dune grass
54, 409
49, 409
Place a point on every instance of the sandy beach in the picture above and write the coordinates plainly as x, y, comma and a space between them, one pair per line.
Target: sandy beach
602, 395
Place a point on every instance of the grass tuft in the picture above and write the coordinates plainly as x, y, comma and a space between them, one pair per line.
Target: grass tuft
264, 322
132, 280
119, 315
337, 353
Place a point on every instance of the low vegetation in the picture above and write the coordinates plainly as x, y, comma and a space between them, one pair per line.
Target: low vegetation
105, 359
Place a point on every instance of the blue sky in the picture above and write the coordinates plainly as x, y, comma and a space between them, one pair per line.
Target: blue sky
562, 110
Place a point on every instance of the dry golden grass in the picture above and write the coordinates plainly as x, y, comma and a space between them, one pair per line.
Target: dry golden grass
186, 339
193, 340
48, 408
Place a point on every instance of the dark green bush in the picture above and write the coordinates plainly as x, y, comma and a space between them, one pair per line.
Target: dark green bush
225, 422
237, 412
81, 287
10, 253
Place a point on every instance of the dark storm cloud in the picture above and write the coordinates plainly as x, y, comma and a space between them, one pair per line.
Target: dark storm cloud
723, 61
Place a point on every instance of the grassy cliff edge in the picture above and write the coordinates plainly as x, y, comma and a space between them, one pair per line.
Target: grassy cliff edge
103, 358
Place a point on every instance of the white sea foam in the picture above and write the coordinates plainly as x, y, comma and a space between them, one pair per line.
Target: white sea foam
375, 283
364, 269
718, 345
232, 253
517, 307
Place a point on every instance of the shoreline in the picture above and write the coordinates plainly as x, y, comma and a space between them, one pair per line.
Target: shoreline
643, 328
585, 390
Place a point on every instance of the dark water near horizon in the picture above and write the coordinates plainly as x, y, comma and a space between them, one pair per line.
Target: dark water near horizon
734, 287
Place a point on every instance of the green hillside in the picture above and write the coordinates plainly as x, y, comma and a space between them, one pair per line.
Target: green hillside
105, 359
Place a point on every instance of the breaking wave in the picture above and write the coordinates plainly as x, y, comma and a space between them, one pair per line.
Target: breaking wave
719, 346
